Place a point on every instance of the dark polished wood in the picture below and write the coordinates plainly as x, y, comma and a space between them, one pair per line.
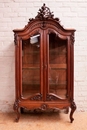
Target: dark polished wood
44, 65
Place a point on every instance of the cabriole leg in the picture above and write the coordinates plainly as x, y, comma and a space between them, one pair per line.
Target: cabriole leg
16, 107
73, 108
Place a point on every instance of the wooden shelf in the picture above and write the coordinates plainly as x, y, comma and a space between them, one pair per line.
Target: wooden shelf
51, 66
31, 66
31, 53
64, 83
58, 66
59, 84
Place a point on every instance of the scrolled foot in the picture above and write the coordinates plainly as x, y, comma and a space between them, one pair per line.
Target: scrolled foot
17, 119
72, 119
73, 108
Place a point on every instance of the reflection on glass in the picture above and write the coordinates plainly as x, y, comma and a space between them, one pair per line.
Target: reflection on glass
31, 66
57, 65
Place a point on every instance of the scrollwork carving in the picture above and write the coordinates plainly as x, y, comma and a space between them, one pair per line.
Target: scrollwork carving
36, 97
44, 13
31, 19
44, 107
50, 97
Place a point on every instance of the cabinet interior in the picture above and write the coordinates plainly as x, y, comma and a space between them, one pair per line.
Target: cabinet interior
57, 65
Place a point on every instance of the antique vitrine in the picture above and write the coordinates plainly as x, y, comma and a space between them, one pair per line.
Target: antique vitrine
44, 65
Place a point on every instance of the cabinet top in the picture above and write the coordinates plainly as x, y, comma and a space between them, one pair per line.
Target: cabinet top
44, 15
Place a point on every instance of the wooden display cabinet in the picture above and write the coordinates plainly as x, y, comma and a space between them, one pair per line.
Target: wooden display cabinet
44, 65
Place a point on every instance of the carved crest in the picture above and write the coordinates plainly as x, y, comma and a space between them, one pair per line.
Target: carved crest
44, 13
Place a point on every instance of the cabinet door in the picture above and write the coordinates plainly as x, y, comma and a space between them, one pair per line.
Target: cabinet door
32, 78
57, 83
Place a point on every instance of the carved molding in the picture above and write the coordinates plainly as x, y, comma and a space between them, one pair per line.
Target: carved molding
51, 31
44, 108
51, 97
35, 26
36, 97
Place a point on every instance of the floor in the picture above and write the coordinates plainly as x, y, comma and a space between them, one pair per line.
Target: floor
44, 121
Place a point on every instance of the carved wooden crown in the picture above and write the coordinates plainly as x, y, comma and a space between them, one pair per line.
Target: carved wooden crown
45, 13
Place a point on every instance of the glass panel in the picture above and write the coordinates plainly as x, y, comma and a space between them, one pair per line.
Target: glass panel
31, 66
57, 65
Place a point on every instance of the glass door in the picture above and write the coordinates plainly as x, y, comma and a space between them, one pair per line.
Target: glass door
31, 80
57, 67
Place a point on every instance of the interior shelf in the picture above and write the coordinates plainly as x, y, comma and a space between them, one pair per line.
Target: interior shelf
31, 68
31, 53
64, 83
58, 66
51, 66
51, 52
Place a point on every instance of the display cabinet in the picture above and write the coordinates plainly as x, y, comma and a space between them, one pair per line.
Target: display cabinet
44, 65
